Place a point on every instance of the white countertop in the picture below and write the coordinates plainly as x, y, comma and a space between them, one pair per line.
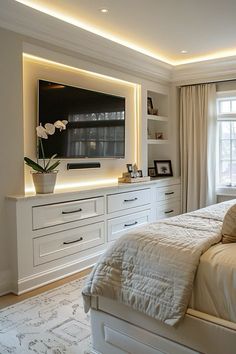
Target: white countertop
97, 188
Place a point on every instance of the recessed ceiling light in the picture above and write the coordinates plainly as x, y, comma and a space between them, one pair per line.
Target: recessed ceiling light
184, 52
104, 10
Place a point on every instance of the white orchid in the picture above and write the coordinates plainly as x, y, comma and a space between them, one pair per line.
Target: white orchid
50, 128
61, 124
42, 133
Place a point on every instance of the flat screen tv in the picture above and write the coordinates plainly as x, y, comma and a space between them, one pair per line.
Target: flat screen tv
96, 121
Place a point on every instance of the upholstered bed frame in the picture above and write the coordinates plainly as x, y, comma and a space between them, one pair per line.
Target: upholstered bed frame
118, 329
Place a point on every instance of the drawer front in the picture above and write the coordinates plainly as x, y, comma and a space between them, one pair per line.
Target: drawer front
121, 201
51, 247
166, 193
118, 226
61, 213
168, 209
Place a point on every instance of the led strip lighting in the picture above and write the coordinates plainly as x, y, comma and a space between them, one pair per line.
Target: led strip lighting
136, 87
78, 23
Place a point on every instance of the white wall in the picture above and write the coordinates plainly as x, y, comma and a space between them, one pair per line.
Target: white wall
11, 137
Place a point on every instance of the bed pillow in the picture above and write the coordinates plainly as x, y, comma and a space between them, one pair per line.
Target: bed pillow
229, 226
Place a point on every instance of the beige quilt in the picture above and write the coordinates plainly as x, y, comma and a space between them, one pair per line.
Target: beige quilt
152, 268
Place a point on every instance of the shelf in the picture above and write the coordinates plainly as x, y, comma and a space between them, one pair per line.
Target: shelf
157, 141
157, 118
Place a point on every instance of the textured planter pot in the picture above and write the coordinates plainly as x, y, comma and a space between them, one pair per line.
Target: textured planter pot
44, 182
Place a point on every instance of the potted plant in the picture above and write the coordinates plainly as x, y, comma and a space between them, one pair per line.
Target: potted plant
44, 177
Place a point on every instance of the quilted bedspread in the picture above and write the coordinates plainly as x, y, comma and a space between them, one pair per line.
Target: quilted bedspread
152, 268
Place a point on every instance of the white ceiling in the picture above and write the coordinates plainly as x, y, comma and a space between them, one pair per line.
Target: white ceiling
159, 28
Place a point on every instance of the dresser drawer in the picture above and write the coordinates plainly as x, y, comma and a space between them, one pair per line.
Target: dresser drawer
167, 209
118, 226
60, 213
51, 247
121, 201
166, 193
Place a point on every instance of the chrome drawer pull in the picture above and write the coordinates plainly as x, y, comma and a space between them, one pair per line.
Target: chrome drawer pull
169, 211
132, 224
69, 242
168, 193
130, 200
72, 211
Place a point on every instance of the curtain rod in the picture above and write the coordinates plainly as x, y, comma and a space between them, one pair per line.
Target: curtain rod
208, 82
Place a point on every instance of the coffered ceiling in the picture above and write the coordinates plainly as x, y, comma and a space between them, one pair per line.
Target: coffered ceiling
162, 29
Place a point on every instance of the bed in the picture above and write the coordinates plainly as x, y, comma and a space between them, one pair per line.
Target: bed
195, 311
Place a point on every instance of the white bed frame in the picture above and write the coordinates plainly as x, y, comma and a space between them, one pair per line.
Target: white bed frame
117, 329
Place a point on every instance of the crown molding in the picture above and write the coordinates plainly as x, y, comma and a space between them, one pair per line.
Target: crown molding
207, 71
35, 24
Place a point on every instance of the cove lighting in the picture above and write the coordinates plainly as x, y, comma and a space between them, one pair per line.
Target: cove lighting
90, 73
76, 185
90, 28
122, 41
136, 103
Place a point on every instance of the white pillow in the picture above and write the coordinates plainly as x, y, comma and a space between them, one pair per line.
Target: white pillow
229, 226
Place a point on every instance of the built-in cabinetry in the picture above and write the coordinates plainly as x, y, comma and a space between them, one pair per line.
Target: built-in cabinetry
156, 135
52, 236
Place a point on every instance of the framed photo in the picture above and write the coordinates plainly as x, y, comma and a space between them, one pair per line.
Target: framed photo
163, 168
140, 173
152, 172
149, 105
129, 167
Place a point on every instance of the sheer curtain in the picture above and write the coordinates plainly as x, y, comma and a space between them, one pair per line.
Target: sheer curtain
198, 145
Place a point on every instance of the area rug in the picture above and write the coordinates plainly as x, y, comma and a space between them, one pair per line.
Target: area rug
53, 322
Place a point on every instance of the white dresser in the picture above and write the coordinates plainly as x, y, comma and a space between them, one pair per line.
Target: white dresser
56, 235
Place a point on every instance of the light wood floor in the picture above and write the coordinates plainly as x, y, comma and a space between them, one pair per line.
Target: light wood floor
10, 299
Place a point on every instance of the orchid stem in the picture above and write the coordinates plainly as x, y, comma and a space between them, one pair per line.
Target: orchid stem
42, 149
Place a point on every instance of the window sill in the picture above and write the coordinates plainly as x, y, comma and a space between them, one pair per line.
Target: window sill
226, 191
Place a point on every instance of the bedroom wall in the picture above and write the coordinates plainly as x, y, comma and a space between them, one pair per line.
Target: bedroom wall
11, 137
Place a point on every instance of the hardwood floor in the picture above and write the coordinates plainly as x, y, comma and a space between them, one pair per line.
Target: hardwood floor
10, 299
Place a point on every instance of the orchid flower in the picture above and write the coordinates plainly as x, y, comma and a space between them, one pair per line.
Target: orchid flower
60, 125
43, 133
50, 128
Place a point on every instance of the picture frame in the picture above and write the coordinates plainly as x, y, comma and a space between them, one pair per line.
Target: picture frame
149, 105
129, 167
140, 173
163, 168
152, 172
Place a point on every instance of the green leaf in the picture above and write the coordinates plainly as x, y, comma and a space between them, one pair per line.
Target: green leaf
34, 165
53, 166
47, 165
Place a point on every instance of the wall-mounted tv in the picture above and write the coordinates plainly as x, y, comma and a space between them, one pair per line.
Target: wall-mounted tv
96, 121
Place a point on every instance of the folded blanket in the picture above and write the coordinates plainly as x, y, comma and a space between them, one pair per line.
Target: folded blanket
152, 268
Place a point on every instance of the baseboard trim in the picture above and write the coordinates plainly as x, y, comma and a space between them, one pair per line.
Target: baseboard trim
5, 282
63, 271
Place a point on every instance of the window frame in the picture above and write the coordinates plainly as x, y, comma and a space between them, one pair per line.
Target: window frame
224, 117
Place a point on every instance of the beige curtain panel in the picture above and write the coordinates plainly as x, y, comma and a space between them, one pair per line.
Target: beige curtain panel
198, 145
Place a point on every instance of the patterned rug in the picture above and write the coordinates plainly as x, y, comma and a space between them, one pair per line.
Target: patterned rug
53, 322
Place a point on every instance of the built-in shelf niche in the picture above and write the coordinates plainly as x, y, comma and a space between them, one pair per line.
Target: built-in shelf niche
157, 127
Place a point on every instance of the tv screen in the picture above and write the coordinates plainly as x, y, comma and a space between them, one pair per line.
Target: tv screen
96, 121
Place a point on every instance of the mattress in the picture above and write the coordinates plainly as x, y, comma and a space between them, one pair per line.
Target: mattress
214, 290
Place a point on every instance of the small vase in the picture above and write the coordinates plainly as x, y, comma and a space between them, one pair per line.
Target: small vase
44, 182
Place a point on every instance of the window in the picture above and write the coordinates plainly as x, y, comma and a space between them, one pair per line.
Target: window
226, 127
